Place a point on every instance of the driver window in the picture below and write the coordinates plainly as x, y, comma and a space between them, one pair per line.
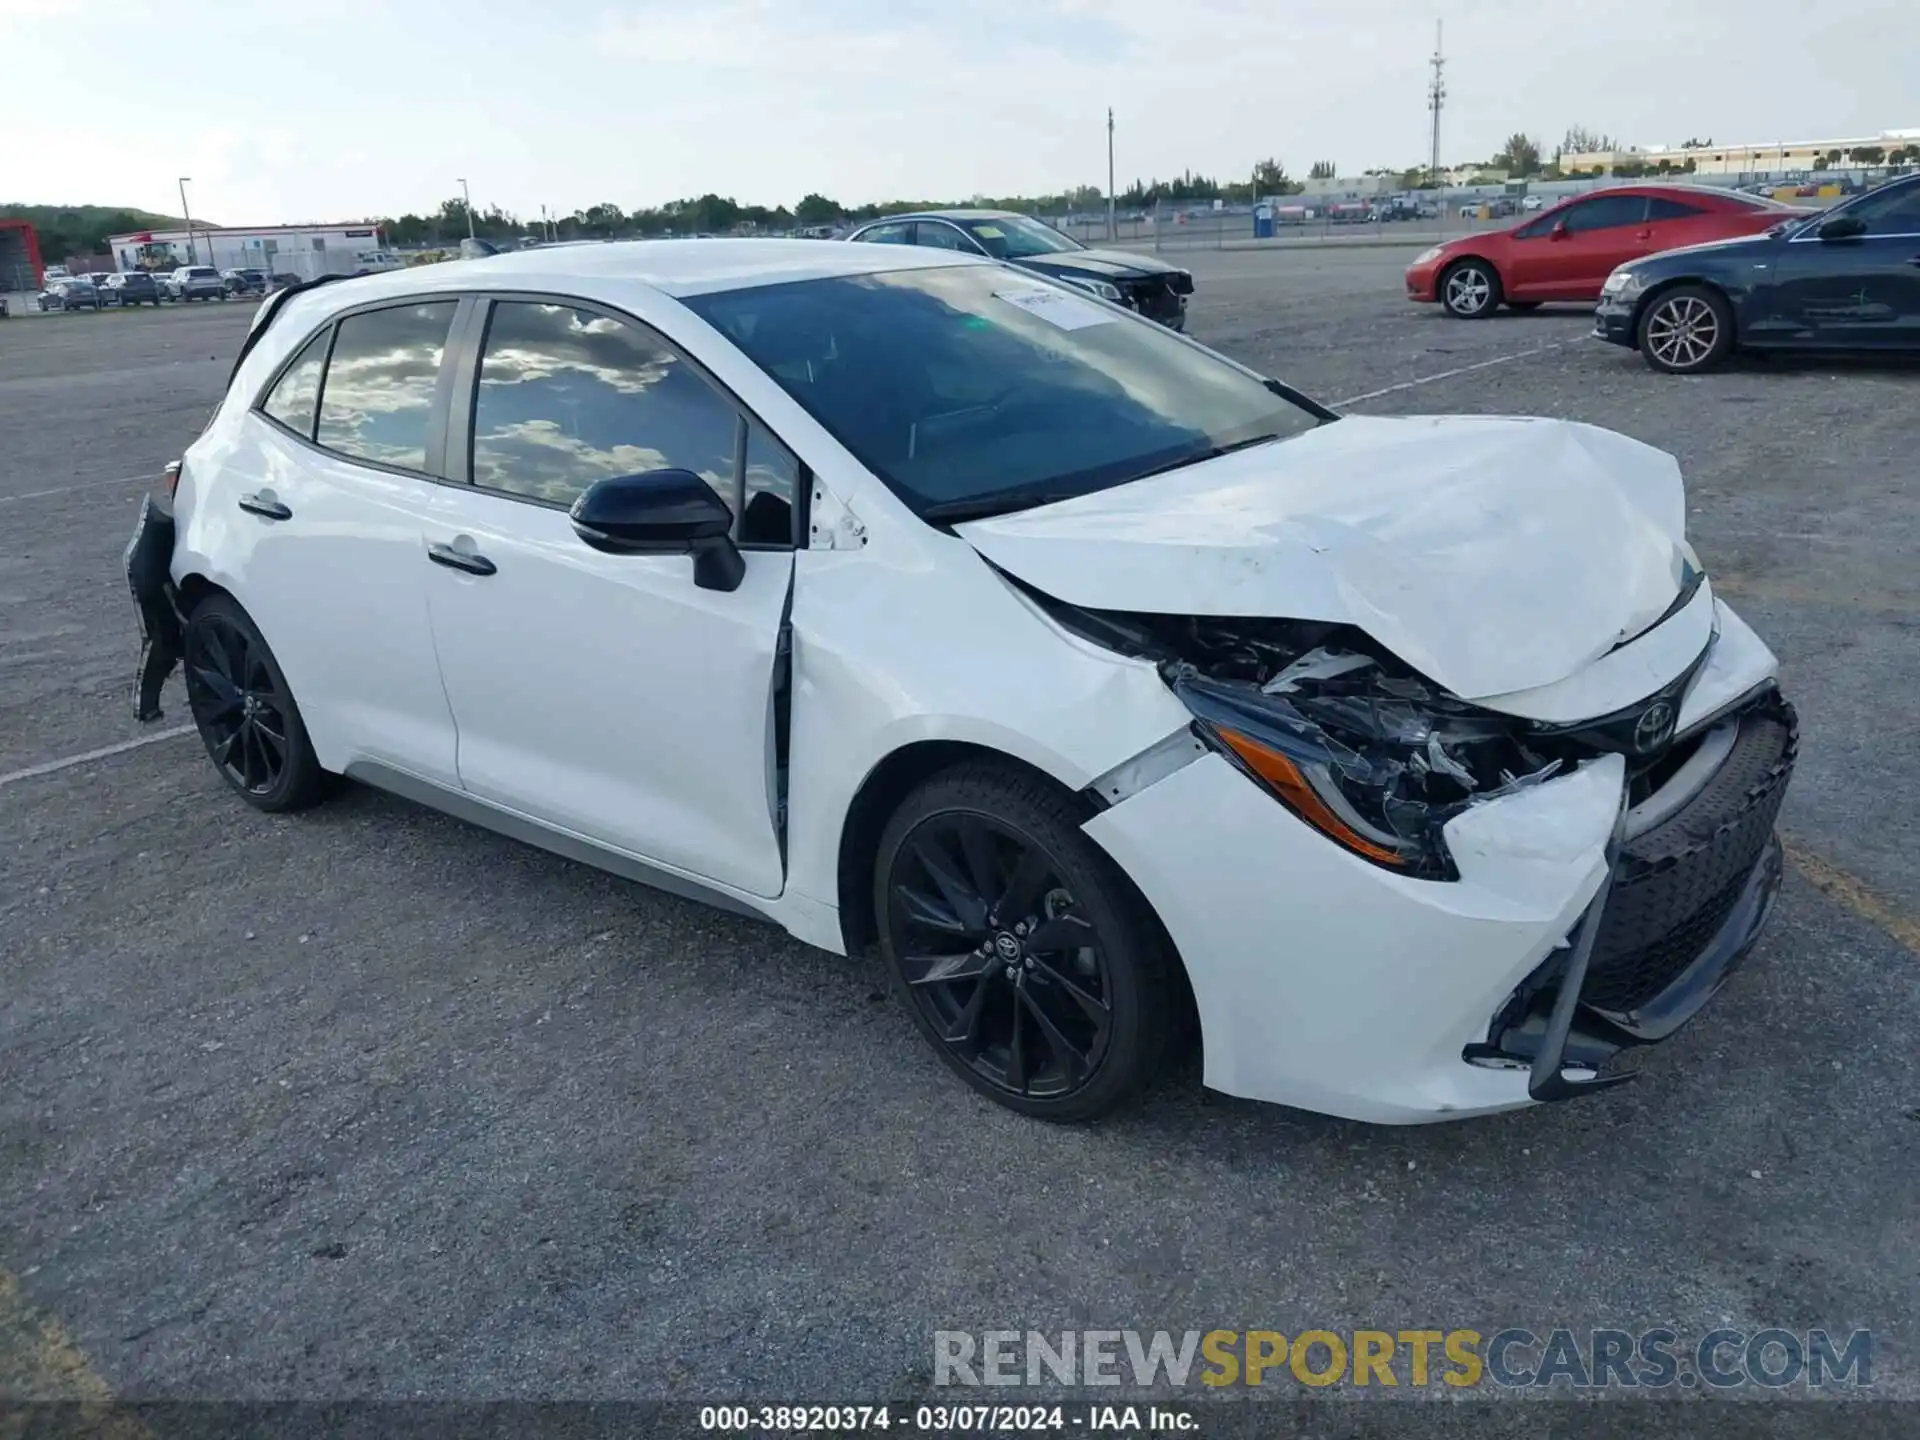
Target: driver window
1606, 213
941, 236
1897, 213
568, 397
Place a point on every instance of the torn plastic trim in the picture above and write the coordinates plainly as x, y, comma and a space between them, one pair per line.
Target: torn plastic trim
831, 523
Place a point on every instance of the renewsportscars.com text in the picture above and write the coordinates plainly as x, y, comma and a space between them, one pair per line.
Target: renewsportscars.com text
1513, 1358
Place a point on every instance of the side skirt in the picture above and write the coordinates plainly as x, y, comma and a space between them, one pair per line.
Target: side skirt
545, 837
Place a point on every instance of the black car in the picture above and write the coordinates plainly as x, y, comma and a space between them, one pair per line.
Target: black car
75, 292
132, 287
1848, 279
245, 282
1155, 289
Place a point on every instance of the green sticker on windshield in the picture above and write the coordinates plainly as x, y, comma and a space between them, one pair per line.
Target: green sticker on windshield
989, 232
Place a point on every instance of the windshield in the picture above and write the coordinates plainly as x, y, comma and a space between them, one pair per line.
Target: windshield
1014, 237
971, 390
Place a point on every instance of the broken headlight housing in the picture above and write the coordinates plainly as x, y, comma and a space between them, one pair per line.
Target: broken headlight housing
1348, 738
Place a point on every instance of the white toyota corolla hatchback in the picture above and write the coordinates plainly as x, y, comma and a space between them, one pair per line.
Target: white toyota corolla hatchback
906, 599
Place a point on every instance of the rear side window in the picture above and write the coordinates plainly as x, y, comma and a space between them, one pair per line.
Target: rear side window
568, 397
292, 399
378, 398
1665, 209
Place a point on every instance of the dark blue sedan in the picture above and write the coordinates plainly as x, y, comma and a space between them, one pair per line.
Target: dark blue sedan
1848, 279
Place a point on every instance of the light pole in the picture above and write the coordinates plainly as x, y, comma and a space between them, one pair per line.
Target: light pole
468, 201
1110, 229
193, 255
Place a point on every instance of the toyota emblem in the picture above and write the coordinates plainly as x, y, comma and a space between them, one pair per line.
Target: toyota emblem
1008, 947
1655, 727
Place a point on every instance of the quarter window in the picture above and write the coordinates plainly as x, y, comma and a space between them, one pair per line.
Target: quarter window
1606, 213
378, 398
887, 235
568, 397
292, 399
772, 489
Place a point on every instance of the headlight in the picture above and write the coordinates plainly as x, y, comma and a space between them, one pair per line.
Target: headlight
1622, 284
1378, 762
1427, 257
1104, 289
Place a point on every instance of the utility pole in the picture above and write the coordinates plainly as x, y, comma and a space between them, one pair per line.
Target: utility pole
1111, 232
1436, 100
468, 194
193, 255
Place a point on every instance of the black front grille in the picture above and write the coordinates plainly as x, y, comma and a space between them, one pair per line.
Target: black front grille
1677, 882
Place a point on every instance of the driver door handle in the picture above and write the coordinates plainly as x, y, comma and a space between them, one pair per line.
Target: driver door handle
465, 560
264, 508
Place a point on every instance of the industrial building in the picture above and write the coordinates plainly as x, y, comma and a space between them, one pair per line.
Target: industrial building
1768, 157
308, 251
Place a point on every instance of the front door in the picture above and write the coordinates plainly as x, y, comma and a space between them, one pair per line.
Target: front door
1861, 290
1587, 240
608, 695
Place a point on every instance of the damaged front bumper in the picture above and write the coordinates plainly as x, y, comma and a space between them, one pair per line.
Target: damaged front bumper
1690, 886
1585, 919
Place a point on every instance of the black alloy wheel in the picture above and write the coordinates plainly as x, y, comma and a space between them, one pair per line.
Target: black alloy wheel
1025, 957
244, 711
1470, 290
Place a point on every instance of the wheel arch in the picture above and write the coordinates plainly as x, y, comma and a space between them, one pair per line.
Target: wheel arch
881, 793
887, 786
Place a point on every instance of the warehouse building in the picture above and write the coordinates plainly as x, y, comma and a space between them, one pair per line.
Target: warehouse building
1768, 157
308, 251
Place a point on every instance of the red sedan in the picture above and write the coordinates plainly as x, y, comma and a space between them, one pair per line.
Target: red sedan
1567, 252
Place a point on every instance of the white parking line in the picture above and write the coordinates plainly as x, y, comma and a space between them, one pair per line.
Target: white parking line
1450, 374
82, 485
54, 767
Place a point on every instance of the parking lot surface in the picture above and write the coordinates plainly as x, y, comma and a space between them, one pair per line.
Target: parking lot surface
371, 1103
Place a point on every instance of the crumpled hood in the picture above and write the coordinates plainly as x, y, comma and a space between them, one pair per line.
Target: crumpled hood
1493, 555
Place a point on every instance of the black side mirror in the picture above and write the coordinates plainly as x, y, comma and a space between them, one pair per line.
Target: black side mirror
1842, 227
663, 512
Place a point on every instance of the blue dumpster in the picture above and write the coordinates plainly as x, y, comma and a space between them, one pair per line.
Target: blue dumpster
1263, 222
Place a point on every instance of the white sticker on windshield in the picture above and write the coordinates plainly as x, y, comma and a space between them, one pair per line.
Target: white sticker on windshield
1057, 308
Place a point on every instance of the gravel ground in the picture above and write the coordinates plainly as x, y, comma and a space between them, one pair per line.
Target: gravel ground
372, 1104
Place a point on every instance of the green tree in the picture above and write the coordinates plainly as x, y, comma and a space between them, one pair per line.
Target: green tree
1322, 170
1581, 141
1520, 157
815, 209
1270, 178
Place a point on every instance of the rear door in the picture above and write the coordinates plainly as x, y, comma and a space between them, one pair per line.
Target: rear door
608, 695
339, 463
1589, 239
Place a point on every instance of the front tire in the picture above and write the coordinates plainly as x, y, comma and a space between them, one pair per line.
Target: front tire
1025, 957
1686, 330
245, 712
1470, 290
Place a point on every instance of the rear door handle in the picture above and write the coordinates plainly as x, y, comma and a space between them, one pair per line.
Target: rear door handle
461, 560
266, 509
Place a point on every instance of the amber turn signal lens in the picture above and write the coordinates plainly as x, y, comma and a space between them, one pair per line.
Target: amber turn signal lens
1286, 781
170, 477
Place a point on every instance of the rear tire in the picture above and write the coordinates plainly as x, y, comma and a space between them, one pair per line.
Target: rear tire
1470, 289
1025, 956
1686, 330
245, 712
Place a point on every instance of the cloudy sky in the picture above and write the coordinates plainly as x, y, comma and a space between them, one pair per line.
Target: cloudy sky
296, 110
